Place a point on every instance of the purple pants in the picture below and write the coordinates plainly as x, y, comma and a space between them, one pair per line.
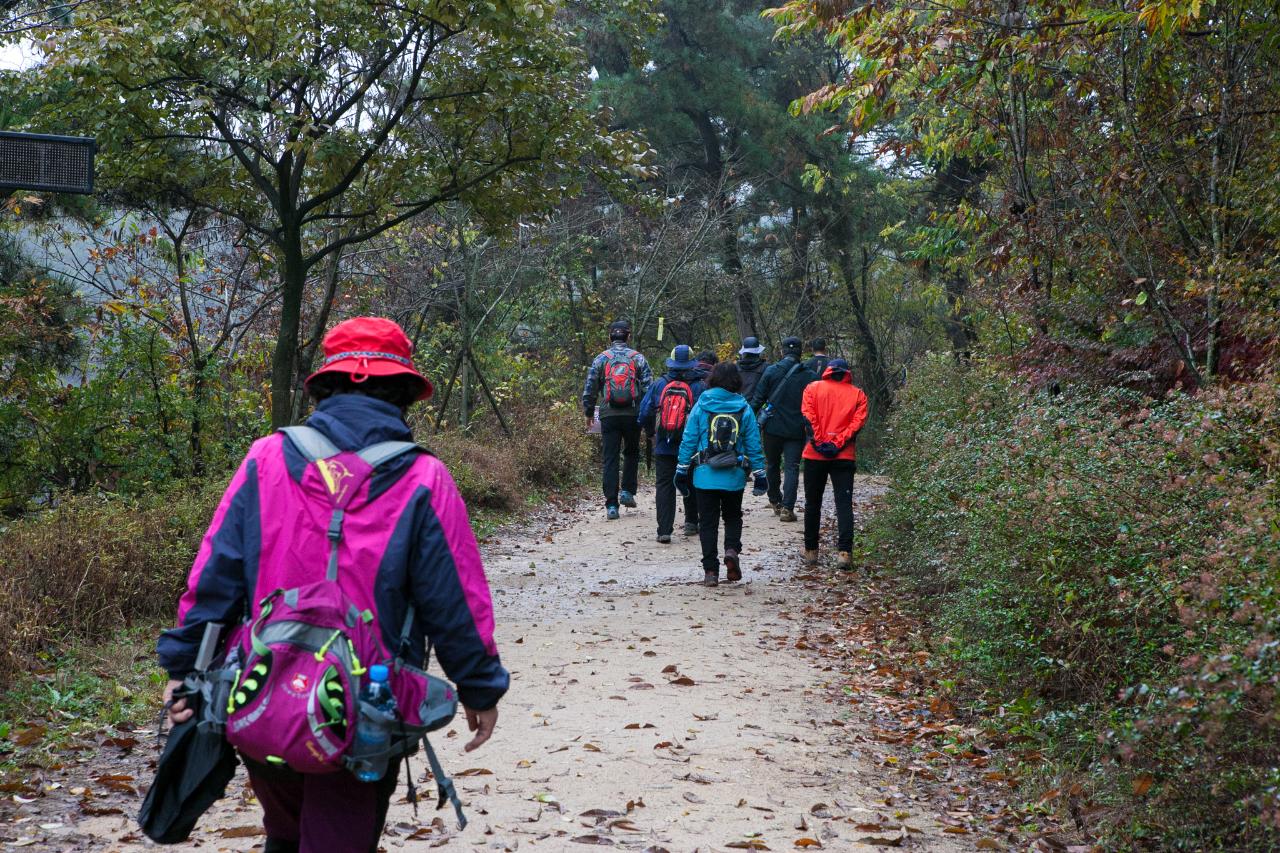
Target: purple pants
321, 812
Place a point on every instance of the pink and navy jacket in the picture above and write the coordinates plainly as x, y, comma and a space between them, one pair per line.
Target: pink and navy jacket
406, 540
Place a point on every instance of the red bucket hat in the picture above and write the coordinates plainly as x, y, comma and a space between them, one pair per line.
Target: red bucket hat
370, 346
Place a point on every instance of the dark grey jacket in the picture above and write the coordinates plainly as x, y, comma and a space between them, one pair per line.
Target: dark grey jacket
786, 421
752, 367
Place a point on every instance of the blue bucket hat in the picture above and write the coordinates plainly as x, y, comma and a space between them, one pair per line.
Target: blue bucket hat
682, 358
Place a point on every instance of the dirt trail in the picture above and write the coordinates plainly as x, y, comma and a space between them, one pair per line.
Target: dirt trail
645, 712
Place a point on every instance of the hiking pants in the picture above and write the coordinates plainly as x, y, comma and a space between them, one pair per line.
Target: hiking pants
321, 812
665, 496
620, 433
782, 467
714, 504
816, 472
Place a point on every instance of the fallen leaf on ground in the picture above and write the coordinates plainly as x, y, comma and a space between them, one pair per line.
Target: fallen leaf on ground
30, 736
694, 798
683, 681
243, 832
598, 840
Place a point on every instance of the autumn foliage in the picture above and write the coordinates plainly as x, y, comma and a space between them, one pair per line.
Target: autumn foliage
1103, 565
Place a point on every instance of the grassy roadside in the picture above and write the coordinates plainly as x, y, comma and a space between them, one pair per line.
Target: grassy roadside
1099, 569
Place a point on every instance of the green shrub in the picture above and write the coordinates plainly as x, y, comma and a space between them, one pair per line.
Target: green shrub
549, 451
1107, 564
93, 565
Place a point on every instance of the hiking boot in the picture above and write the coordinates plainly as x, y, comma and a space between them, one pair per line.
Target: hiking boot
627, 499
787, 514
734, 567
777, 508
690, 529
711, 579
612, 513
844, 560
811, 557
664, 538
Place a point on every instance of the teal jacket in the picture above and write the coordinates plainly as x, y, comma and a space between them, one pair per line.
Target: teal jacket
697, 436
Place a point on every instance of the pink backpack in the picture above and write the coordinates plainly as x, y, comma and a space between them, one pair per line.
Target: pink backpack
300, 665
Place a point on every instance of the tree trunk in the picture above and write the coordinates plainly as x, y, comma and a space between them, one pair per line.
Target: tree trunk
880, 392
283, 359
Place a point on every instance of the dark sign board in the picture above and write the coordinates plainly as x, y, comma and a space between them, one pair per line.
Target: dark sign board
35, 161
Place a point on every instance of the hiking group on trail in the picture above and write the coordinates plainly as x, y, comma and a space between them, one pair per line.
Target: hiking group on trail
714, 425
341, 553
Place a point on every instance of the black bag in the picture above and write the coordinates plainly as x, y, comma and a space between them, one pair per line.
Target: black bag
724, 434
191, 775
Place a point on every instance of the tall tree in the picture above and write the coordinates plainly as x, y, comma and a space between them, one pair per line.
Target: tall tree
320, 126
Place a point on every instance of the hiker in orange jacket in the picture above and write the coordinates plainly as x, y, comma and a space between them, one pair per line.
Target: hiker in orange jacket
834, 409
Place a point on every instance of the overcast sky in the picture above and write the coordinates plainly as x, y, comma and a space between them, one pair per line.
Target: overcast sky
14, 57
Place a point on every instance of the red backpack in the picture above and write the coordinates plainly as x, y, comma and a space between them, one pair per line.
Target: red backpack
621, 384
673, 407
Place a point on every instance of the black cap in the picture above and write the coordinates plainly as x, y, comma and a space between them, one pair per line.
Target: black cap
792, 344
619, 329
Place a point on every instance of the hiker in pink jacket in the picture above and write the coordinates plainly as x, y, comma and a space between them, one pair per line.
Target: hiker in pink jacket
406, 557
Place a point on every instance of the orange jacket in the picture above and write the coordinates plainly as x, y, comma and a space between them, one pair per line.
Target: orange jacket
835, 410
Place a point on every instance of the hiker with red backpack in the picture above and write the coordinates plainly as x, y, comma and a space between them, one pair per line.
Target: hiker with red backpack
664, 412
618, 380
340, 554
721, 444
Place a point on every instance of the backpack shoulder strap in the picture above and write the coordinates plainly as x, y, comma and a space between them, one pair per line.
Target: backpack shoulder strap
310, 442
384, 451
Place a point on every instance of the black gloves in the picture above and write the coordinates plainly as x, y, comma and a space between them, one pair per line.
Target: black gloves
760, 484
684, 485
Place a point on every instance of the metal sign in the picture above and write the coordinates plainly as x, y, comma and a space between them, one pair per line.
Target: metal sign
36, 161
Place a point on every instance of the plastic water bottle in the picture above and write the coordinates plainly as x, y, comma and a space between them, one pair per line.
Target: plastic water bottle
373, 728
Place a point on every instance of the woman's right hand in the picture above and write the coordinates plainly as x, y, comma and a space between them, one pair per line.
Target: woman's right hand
178, 711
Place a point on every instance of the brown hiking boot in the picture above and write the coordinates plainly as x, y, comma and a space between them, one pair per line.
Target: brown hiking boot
811, 557
711, 579
844, 560
787, 514
777, 508
734, 568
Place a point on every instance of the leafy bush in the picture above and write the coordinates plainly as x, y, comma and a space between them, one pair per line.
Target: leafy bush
92, 565
1107, 565
550, 450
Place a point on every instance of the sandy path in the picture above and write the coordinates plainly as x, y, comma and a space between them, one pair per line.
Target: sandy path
645, 712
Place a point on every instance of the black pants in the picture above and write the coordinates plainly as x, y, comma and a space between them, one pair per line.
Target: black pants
816, 472
665, 496
619, 433
714, 504
782, 467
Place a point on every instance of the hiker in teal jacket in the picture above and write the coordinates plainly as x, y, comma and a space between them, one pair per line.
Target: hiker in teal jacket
720, 481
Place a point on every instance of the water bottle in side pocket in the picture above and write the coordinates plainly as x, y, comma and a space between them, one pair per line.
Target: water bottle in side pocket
372, 745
